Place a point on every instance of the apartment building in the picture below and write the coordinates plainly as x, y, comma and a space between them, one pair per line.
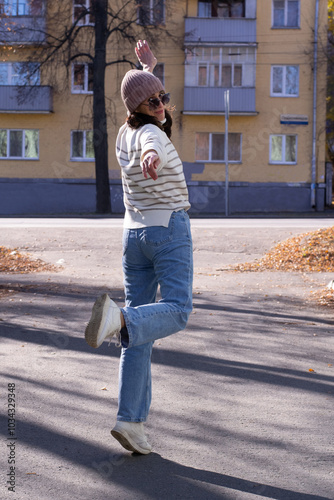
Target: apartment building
263, 52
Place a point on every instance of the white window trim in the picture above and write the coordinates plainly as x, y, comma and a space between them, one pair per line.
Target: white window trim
11, 74
23, 145
210, 66
78, 91
283, 162
84, 21
283, 94
151, 20
210, 17
284, 26
232, 64
200, 64
223, 61
210, 149
79, 158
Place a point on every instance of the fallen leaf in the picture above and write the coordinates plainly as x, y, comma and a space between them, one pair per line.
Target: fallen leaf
313, 251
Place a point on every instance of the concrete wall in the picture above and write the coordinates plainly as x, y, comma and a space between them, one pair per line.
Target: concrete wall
49, 196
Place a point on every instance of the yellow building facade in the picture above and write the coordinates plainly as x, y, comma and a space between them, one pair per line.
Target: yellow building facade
261, 51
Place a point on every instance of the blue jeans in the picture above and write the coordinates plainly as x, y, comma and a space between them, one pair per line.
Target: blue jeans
152, 256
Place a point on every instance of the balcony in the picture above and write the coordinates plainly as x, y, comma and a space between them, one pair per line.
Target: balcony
210, 101
25, 99
27, 30
200, 30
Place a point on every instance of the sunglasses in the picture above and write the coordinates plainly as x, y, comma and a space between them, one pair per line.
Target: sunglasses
154, 102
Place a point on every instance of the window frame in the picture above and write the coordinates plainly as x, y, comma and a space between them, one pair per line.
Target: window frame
84, 21
79, 158
210, 68
86, 78
8, 131
11, 74
220, 17
283, 162
283, 94
161, 76
241, 60
199, 66
210, 148
285, 26
151, 21
27, 3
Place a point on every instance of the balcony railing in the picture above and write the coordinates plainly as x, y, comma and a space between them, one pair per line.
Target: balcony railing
219, 30
25, 99
210, 100
28, 30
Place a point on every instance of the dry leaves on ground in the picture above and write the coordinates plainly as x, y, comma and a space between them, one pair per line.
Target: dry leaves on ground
12, 261
313, 252
324, 297
309, 252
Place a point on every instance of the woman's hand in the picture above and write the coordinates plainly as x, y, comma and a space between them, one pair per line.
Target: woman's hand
149, 165
145, 56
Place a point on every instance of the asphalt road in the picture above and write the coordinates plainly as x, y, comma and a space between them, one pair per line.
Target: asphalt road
242, 403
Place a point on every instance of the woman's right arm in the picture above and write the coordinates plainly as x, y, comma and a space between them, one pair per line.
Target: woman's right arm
149, 164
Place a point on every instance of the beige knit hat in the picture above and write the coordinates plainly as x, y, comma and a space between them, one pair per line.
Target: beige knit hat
137, 86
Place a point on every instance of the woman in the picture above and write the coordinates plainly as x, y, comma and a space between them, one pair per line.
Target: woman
157, 249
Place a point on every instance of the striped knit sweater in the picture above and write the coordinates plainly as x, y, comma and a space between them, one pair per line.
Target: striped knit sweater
148, 202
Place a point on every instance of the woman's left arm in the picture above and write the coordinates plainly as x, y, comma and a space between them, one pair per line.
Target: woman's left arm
145, 56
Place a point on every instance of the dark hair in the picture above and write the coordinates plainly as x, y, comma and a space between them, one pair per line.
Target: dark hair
137, 120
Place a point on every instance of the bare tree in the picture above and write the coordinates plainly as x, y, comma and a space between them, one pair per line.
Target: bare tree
84, 30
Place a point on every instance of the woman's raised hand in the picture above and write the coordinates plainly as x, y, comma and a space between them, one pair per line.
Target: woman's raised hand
145, 56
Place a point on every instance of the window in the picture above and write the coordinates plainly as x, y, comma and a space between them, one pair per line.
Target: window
202, 75
82, 145
283, 149
285, 81
226, 67
159, 72
19, 73
286, 13
19, 144
82, 78
211, 147
216, 8
150, 12
82, 12
21, 7
228, 75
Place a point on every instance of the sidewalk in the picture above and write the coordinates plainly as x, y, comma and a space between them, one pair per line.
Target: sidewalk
236, 412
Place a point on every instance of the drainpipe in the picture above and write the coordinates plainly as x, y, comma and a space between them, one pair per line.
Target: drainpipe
314, 132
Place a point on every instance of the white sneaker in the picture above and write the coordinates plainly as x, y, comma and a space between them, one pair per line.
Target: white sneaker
105, 321
131, 436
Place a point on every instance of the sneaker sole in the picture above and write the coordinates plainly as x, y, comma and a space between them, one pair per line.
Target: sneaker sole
97, 317
128, 444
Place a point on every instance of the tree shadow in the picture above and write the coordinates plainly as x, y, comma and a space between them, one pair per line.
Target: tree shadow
169, 479
64, 336
123, 471
166, 479
257, 305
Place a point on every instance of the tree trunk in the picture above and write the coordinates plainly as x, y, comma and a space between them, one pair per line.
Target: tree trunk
100, 136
